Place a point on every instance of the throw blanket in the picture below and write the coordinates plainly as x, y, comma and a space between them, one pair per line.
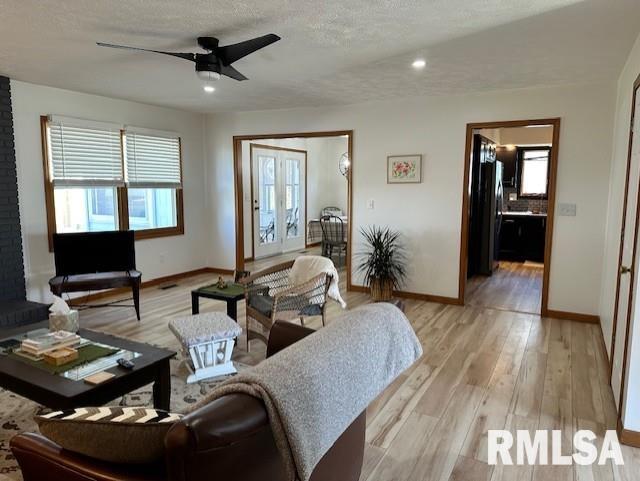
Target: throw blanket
314, 389
307, 267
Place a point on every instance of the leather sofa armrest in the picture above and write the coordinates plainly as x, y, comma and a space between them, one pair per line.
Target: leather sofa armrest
283, 334
229, 438
41, 459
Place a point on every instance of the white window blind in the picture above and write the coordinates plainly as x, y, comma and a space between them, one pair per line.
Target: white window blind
152, 158
85, 153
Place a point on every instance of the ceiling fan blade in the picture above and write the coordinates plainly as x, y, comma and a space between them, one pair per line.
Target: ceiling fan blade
229, 71
186, 56
230, 53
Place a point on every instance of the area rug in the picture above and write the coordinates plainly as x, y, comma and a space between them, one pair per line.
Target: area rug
16, 413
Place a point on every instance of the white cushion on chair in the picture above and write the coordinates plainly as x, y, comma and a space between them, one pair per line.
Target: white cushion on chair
207, 327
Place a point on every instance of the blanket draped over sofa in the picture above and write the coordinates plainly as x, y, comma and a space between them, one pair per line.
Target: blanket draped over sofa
316, 388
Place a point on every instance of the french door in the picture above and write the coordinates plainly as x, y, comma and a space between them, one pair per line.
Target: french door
627, 282
278, 186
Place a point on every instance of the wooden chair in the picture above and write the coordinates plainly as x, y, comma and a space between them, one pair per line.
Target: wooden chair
271, 297
333, 237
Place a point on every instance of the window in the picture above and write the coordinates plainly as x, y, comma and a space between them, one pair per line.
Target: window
85, 209
101, 176
534, 171
153, 169
152, 208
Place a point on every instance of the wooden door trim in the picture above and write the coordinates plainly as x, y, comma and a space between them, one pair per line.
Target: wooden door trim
239, 189
466, 201
614, 324
632, 276
284, 149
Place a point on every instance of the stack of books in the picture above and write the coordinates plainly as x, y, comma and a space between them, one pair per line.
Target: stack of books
35, 348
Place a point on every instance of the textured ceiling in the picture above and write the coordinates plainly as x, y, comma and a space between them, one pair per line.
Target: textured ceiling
331, 52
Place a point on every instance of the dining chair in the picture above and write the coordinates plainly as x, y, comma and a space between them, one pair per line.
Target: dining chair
333, 237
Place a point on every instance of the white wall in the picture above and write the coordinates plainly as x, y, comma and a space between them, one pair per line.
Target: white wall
155, 257
631, 407
429, 214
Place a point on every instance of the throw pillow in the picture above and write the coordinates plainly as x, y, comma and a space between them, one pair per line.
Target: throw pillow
114, 434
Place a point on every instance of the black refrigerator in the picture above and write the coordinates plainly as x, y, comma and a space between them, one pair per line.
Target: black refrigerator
485, 213
491, 200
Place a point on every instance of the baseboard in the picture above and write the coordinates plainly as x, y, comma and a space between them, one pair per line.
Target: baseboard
413, 295
626, 436
249, 259
150, 283
573, 316
215, 270
313, 244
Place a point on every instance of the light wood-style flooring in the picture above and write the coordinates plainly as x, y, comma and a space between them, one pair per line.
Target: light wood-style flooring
482, 369
514, 286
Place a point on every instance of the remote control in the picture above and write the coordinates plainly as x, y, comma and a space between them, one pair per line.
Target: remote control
124, 363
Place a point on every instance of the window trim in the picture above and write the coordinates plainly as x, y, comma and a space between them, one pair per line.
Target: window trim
122, 199
519, 170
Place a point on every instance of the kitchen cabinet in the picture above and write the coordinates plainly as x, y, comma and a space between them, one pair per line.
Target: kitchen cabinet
509, 159
522, 237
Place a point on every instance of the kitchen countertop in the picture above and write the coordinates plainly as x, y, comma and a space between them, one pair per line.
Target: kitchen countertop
524, 213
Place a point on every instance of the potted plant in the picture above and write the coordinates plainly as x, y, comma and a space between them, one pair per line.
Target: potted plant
383, 263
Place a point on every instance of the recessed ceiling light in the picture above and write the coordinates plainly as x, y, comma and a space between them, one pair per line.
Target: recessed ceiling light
419, 64
209, 89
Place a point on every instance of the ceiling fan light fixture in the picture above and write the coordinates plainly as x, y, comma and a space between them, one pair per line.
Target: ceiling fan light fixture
208, 75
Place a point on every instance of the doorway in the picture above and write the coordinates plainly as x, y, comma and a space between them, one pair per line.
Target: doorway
624, 315
507, 217
284, 185
278, 199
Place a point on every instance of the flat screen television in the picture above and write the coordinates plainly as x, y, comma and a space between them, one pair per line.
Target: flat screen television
91, 252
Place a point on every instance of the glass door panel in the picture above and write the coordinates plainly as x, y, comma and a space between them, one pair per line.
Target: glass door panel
292, 197
267, 199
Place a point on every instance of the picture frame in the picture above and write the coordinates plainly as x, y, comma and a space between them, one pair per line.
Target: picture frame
404, 169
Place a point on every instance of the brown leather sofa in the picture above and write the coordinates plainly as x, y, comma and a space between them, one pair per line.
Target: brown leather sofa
228, 439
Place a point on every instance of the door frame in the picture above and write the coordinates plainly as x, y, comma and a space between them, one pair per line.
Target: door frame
623, 383
551, 196
285, 149
239, 190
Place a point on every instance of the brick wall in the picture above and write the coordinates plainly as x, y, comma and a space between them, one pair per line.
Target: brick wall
12, 285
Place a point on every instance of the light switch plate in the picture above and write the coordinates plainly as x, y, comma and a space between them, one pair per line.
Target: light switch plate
370, 204
567, 209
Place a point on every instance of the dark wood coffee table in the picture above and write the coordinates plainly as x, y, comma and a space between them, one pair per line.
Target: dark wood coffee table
230, 294
57, 392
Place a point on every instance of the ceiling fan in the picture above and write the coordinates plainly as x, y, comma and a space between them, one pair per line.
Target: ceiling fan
218, 60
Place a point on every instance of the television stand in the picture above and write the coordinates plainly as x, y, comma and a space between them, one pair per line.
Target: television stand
99, 281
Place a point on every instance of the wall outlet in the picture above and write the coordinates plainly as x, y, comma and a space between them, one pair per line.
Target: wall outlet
513, 197
567, 209
370, 204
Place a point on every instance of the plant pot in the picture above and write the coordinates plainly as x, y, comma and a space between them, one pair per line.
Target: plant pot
381, 290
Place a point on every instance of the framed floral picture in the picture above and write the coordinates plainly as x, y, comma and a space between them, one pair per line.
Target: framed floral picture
404, 169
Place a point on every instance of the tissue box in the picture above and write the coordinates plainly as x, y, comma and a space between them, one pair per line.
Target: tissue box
64, 322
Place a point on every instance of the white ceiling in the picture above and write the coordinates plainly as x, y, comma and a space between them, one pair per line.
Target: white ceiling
331, 52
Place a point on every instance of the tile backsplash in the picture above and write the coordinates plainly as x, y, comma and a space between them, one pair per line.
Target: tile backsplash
523, 204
